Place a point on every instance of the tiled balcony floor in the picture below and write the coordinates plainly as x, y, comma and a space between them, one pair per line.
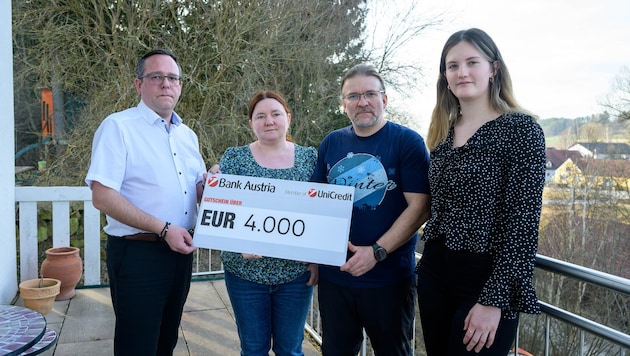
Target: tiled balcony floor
85, 323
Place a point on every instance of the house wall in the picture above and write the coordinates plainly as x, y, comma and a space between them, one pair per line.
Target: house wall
8, 255
570, 174
567, 173
583, 150
549, 173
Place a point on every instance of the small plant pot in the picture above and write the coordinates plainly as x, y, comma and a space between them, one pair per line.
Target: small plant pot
39, 294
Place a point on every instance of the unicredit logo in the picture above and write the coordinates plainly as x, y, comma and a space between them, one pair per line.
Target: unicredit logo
312, 192
213, 181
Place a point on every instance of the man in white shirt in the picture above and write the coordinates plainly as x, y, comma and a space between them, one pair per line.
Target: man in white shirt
146, 175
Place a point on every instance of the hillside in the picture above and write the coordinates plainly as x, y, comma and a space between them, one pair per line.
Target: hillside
562, 133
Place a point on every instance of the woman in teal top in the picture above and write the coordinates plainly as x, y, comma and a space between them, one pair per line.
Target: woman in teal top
270, 296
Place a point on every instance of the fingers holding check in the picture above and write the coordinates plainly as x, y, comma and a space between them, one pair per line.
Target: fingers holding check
481, 325
215, 169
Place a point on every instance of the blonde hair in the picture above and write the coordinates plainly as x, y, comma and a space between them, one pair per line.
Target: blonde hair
447, 111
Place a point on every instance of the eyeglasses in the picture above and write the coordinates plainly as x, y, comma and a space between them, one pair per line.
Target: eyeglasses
368, 95
157, 79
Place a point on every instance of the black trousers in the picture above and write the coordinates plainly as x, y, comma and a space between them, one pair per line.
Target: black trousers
386, 313
449, 283
149, 284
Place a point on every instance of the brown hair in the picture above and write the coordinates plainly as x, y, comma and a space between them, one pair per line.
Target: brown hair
267, 94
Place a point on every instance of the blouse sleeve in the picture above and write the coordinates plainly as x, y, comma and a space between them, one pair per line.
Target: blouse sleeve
510, 285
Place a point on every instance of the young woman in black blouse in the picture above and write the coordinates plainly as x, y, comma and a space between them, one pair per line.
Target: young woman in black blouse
486, 176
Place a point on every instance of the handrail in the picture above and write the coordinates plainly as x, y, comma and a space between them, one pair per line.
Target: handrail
592, 327
602, 279
599, 278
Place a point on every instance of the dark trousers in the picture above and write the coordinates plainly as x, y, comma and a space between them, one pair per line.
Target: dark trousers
149, 284
449, 283
386, 313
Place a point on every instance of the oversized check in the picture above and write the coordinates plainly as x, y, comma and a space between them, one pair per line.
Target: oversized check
300, 221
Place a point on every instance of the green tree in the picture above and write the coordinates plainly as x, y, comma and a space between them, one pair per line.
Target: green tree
228, 50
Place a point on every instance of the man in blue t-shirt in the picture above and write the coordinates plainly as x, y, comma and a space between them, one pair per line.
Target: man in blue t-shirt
388, 165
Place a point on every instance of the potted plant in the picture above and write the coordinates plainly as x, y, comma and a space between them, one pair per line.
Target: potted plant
39, 294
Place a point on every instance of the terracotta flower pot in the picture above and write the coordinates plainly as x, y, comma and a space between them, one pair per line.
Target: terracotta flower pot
64, 264
39, 294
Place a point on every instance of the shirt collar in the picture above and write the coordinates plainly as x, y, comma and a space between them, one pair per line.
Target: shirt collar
151, 116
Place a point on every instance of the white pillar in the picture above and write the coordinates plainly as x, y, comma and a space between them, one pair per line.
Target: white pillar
8, 257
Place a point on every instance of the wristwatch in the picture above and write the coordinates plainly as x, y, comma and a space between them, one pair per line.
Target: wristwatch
379, 252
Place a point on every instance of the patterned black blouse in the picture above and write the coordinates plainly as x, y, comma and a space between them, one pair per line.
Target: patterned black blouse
487, 197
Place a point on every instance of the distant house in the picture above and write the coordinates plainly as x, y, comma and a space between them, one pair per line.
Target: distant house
555, 158
602, 173
602, 150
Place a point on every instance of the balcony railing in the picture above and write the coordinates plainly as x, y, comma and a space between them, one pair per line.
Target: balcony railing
207, 262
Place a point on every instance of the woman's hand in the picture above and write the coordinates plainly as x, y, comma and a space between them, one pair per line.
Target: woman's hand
314, 269
249, 256
481, 325
214, 169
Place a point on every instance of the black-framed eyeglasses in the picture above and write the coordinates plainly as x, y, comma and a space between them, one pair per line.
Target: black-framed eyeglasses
368, 95
157, 79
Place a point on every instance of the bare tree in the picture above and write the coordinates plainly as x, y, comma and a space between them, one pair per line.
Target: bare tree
591, 229
618, 100
396, 29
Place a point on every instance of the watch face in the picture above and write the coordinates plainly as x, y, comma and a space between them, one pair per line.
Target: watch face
380, 254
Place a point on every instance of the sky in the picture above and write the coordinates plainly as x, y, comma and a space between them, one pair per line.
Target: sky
563, 55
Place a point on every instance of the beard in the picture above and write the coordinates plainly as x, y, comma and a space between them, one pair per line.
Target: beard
363, 122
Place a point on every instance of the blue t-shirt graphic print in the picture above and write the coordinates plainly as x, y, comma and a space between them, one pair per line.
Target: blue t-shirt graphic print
366, 174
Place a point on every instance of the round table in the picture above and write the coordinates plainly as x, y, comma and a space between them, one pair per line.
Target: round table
20, 329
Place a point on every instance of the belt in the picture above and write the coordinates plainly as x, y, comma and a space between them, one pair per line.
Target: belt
149, 237
144, 236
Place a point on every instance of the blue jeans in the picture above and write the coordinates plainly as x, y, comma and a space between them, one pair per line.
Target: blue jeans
266, 312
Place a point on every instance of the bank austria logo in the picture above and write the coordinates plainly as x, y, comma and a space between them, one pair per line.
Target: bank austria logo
223, 182
213, 181
312, 192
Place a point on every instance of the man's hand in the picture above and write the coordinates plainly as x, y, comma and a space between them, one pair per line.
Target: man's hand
179, 240
361, 262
